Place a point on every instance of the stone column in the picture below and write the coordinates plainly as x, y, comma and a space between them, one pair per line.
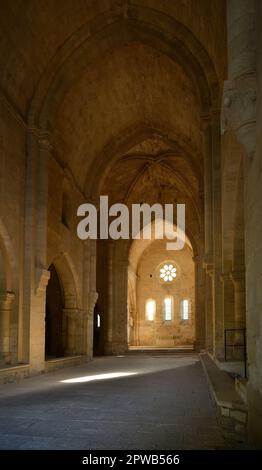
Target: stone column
212, 204
72, 316
37, 322
199, 303
228, 300
6, 301
29, 240
239, 101
238, 279
93, 296
133, 324
110, 299
218, 317
89, 297
208, 196
209, 312
36, 275
42, 275
239, 114
120, 314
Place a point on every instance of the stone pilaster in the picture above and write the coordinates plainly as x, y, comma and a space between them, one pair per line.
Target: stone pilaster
90, 296
37, 321
238, 279
200, 303
240, 90
240, 114
72, 316
6, 302
120, 314
218, 314
209, 312
36, 274
110, 298
228, 300
29, 240
208, 196
45, 149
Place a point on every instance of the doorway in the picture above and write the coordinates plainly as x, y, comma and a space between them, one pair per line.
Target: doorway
54, 346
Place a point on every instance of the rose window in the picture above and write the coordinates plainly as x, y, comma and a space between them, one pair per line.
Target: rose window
167, 272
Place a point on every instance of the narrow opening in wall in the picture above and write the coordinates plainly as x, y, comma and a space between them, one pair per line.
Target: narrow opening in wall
150, 309
185, 306
168, 309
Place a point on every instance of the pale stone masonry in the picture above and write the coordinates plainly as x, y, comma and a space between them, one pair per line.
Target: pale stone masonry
143, 101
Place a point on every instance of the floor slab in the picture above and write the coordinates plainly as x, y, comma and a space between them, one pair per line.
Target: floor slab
126, 402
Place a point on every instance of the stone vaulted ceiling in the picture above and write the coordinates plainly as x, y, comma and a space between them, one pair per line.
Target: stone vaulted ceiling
121, 87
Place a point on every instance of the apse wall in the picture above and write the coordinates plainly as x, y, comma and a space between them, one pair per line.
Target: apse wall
161, 332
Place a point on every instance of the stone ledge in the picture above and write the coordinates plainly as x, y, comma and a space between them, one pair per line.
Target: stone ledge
222, 387
148, 350
58, 363
241, 388
12, 373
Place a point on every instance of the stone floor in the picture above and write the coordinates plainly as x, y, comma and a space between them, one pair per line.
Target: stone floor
131, 402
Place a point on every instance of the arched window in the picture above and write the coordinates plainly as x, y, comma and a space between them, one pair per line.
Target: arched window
168, 309
185, 307
150, 309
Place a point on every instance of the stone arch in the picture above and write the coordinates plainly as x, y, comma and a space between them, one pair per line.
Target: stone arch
128, 138
137, 21
142, 332
64, 286
69, 278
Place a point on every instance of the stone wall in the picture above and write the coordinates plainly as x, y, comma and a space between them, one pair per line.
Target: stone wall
161, 333
253, 192
12, 194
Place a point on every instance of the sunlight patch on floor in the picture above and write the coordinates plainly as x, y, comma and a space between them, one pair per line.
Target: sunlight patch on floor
92, 378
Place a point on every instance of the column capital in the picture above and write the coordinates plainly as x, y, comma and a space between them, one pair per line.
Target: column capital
239, 110
237, 276
42, 278
6, 300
